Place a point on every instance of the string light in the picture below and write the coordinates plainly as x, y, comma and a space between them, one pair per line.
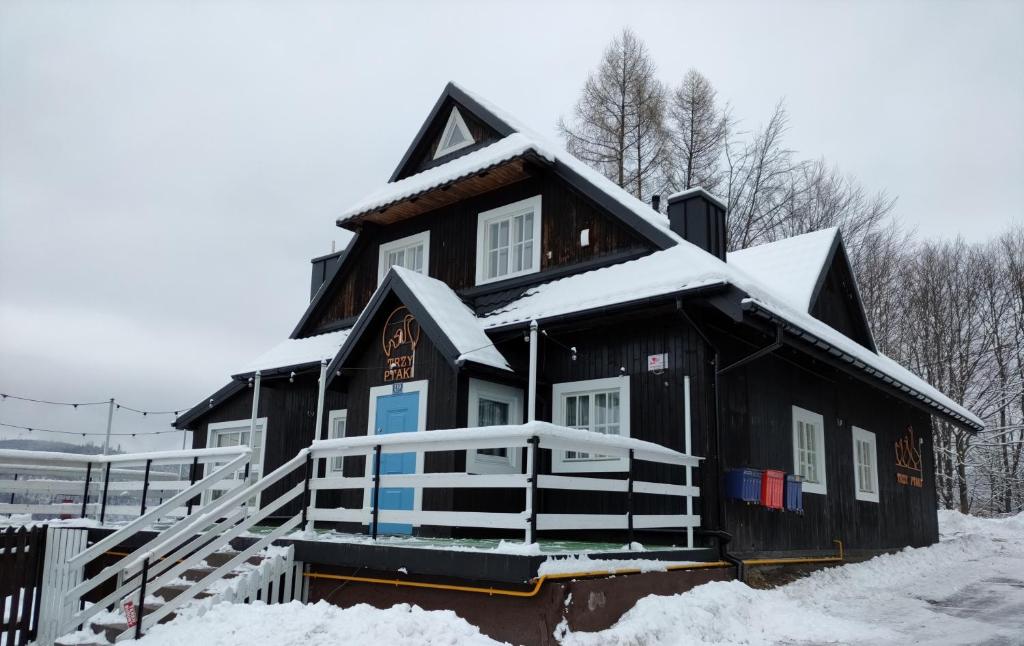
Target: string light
75, 405
32, 429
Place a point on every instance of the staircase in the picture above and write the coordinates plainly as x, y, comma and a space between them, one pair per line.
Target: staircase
190, 563
269, 576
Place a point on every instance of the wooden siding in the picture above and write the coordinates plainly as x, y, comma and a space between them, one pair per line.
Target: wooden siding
453, 243
837, 304
757, 402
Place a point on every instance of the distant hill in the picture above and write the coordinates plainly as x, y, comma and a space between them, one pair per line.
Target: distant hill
48, 445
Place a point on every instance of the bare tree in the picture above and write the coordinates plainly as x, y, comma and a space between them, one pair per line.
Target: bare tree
759, 183
619, 119
699, 130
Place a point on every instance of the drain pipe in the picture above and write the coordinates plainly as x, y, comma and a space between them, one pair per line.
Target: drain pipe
724, 538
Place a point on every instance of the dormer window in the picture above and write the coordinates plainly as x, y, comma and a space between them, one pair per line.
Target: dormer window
412, 252
508, 241
455, 136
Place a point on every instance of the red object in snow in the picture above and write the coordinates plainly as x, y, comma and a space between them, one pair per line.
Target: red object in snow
771, 488
131, 617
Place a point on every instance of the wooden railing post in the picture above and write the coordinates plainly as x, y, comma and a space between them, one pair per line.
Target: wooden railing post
85, 492
145, 487
106, 488
142, 598
629, 502
305, 491
191, 481
376, 492
12, 493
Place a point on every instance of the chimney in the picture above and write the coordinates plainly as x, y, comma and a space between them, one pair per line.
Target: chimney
323, 267
699, 217
656, 203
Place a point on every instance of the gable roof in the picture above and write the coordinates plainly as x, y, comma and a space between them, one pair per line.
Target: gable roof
451, 325
517, 140
796, 269
686, 268
296, 353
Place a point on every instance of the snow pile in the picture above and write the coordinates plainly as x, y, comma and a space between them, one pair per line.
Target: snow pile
967, 589
584, 563
319, 624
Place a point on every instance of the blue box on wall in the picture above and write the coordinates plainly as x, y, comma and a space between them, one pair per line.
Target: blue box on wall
743, 484
794, 493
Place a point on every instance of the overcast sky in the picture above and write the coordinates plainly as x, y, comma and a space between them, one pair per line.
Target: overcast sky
167, 170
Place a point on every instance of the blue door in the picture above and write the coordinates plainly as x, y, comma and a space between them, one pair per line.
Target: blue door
397, 413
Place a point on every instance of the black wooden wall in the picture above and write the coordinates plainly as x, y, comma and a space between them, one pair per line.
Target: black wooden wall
757, 405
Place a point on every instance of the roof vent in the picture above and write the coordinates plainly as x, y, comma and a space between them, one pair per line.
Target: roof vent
699, 217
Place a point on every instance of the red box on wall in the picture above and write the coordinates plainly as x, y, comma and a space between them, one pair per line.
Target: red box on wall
772, 483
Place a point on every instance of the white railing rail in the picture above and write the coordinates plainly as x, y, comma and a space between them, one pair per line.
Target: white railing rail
99, 486
534, 437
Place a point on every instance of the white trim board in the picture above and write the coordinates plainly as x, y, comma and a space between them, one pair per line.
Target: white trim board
816, 420
869, 437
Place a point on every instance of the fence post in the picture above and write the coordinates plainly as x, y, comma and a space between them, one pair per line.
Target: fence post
106, 487
145, 488
305, 491
142, 598
192, 481
629, 502
12, 493
376, 492
85, 492
534, 466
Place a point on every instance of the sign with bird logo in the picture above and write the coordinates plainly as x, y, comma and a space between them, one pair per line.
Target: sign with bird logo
399, 338
909, 466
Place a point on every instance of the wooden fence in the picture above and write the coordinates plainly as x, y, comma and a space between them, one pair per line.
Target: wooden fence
22, 552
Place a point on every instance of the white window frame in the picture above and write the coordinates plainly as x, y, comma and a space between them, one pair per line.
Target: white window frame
863, 436
507, 212
483, 463
408, 242
336, 465
560, 391
810, 417
455, 120
242, 426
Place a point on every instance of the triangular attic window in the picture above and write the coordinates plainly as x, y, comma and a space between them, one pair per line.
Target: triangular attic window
455, 136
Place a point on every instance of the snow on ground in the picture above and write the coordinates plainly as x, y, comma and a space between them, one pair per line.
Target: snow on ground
319, 624
967, 589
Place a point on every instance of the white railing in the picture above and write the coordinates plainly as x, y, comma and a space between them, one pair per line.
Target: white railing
103, 487
277, 579
533, 437
192, 539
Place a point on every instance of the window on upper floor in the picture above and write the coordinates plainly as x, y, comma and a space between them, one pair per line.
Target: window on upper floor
508, 241
455, 136
865, 465
412, 252
809, 449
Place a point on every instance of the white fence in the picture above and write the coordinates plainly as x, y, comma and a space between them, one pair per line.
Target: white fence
104, 487
59, 576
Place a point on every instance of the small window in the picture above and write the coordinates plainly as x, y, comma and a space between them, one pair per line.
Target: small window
809, 449
508, 241
236, 433
865, 465
493, 405
336, 421
599, 405
455, 136
412, 252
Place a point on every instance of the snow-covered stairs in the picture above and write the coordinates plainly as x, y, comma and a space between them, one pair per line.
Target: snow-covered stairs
268, 577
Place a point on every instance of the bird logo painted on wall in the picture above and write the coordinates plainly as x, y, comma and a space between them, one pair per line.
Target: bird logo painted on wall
908, 457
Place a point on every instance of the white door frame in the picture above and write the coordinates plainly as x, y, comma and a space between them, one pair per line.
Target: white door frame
421, 425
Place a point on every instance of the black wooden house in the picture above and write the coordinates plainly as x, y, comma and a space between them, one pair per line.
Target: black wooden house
645, 327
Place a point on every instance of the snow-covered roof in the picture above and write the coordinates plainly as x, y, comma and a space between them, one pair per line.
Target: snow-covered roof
790, 267
297, 352
697, 190
686, 267
455, 319
500, 151
514, 145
